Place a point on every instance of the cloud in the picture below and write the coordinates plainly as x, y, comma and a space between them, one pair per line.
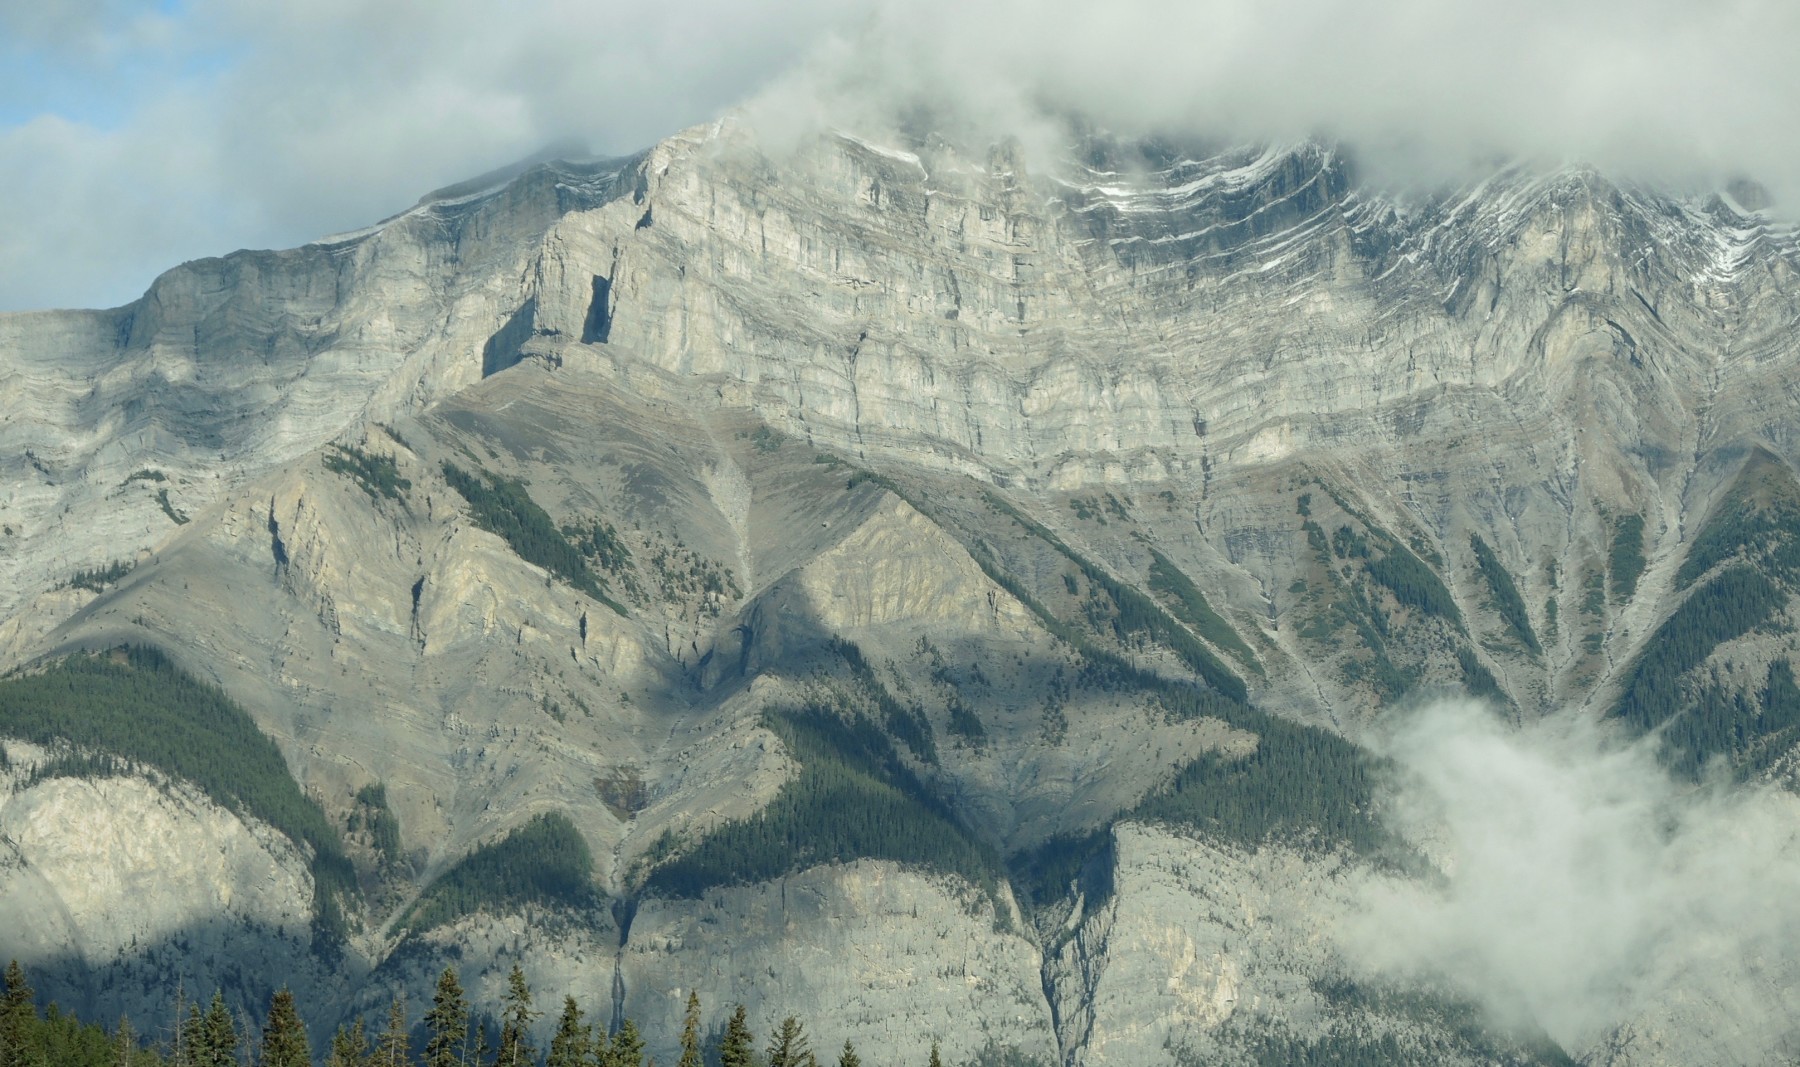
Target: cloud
217, 124
287, 121
1662, 88
1584, 889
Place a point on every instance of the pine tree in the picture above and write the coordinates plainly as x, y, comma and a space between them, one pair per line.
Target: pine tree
515, 1023
217, 1039
848, 1057
690, 1033
18, 1016
787, 1045
475, 1046
124, 1044
193, 1037
393, 1050
350, 1046
627, 1047
574, 1039
936, 1061
734, 1051
283, 1038
447, 1022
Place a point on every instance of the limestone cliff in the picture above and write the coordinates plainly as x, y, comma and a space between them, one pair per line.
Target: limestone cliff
1065, 473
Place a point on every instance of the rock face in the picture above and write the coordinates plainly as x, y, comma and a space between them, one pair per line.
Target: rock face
883, 957
146, 882
993, 451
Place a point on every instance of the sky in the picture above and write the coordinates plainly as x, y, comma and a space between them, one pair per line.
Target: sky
137, 135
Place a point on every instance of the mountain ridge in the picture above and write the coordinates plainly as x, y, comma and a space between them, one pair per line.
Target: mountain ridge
958, 415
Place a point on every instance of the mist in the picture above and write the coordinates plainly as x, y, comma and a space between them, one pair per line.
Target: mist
1583, 887
1661, 91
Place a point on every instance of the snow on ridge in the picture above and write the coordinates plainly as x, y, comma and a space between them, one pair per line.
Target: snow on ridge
420, 208
880, 150
428, 204
1140, 199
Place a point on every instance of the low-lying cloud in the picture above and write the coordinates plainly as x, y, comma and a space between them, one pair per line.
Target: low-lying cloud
1584, 888
133, 136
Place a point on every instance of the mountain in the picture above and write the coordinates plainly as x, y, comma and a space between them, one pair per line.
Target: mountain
939, 593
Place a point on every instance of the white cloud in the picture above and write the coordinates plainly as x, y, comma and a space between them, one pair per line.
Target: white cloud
1584, 887
286, 121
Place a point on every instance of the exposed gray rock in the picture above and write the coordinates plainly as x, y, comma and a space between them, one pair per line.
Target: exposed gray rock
1225, 359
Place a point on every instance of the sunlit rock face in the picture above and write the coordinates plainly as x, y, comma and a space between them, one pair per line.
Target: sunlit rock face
917, 399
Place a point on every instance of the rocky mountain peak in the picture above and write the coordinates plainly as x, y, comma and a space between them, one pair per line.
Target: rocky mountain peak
1084, 515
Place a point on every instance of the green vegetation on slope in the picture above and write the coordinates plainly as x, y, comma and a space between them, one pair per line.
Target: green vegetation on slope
544, 862
908, 723
453, 1027
1505, 594
1746, 560
1477, 679
135, 704
1345, 606
1043, 875
1758, 519
1414, 584
96, 579
1625, 559
1301, 785
1190, 604
852, 798
376, 474
176, 515
1728, 605
375, 817
1750, 729
1134, 612
502, 506
599, 541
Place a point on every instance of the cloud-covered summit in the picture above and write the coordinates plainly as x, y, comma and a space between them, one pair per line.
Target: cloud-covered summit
133, 137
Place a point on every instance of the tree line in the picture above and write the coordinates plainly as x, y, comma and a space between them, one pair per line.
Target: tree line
449, 1034
854, 797
133, 703
546, 861
502, 506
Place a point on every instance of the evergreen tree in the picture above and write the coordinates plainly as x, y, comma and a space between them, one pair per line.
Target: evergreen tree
574, 1039
690, 1033
787, 1045
627, 1047
515, 1023
193, 1038
848, 1057
283, 1038
18, 1018
734, 1051
217, 1042
349, 1047
936, 1061
393, 1050
447, 1023
124, 1044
